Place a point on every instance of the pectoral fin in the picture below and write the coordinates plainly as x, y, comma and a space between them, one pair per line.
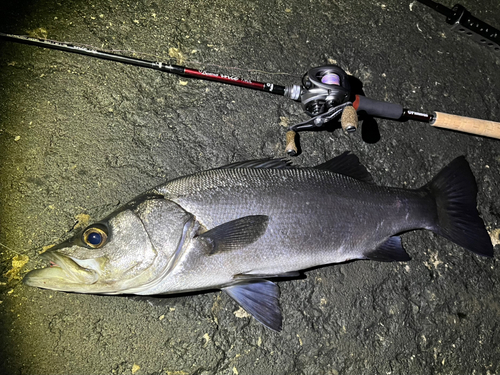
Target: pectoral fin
235, 234
260, 299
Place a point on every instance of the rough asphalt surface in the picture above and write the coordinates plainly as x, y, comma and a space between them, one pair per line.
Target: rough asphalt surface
81, 136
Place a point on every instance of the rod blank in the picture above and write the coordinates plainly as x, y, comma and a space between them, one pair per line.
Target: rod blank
163, 67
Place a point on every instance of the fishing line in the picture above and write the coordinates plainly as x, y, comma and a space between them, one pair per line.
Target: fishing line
8, 248
137, 54
325, 94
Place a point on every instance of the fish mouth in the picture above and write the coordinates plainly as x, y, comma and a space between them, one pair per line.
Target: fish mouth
64, 273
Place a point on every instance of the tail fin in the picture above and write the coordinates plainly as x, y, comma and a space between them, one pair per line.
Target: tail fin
454, 189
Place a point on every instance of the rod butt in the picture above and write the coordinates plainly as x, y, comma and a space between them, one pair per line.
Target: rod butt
467, 124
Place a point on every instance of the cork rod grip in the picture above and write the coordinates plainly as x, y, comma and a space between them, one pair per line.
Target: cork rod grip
467, 125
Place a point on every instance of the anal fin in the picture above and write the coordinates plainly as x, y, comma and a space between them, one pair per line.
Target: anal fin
389, 251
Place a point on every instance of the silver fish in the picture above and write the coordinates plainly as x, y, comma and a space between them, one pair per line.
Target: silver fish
235, 227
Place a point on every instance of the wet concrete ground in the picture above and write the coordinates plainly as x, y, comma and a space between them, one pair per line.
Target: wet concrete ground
80, 136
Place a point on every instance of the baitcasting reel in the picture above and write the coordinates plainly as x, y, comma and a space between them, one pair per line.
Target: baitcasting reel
324, 87
325, 94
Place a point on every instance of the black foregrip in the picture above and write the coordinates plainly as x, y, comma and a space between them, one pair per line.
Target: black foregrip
377, 108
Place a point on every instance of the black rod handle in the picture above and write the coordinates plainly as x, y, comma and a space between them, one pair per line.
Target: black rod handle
378, 108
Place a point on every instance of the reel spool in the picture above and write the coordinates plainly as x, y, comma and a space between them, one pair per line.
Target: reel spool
324, 87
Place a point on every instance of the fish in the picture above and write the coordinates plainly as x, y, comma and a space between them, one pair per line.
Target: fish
241, 227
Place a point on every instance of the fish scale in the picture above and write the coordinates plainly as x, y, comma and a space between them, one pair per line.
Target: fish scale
311, 220
330, 203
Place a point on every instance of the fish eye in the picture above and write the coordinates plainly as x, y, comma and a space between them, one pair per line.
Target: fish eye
94, 237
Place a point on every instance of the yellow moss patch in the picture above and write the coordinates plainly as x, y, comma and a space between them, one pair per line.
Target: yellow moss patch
38, 33
495, 236
83, 221
18, 262
176, 53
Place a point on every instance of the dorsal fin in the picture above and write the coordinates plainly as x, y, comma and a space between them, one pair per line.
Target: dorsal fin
347, 164
268, 163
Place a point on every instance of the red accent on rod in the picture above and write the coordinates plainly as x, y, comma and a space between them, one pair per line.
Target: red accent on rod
355, 104
223, 78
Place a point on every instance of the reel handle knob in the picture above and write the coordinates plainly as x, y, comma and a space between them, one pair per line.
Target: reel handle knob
291, 147
349, 119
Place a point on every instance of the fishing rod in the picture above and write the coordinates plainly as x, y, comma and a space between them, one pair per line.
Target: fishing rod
463, 22
325, 95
